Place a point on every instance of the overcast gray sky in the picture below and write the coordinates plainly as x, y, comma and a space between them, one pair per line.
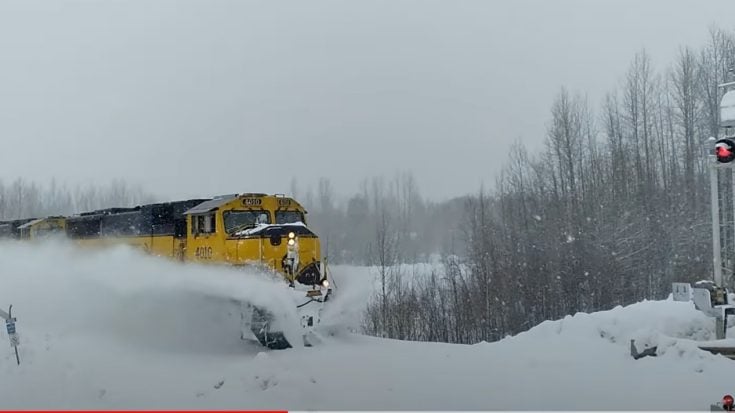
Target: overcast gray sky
196, 98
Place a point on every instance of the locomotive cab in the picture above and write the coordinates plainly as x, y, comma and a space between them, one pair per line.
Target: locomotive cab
256, 229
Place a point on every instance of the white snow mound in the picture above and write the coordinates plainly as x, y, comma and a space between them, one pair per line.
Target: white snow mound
115, 329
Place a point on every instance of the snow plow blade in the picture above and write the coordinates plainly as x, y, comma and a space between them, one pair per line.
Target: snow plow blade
258, 323
260, 326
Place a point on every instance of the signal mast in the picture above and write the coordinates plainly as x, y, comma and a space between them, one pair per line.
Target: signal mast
711, 297
722, 156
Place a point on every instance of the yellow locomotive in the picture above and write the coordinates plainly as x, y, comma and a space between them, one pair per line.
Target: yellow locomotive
240, 229
41, 227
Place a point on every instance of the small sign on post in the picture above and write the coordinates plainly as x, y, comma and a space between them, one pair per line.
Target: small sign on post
681, 291
10, 326
12, 333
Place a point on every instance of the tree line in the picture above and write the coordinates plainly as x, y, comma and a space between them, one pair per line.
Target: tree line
611, 212
21, 198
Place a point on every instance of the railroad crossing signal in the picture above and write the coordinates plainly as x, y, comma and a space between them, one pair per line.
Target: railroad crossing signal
725, 150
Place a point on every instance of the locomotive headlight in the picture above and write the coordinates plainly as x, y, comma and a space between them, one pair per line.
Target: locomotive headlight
291, 241
325, 283
291, 235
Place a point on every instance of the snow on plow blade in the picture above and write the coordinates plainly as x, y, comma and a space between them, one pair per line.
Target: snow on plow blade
260, 324
277, 333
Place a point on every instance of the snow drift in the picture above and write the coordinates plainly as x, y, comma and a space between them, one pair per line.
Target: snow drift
119, 294
115, 329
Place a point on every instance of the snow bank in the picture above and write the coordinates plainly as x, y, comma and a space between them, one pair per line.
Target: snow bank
114, 329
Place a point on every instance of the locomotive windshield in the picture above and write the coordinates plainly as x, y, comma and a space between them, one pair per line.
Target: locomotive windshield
239, 220
289, 217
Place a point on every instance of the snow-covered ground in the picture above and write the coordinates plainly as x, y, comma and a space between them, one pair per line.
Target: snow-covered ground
116, 329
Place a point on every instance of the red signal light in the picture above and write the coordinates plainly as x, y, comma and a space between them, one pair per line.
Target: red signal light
725, 150
727, 402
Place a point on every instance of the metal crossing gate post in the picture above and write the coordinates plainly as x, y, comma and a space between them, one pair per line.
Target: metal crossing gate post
715, 205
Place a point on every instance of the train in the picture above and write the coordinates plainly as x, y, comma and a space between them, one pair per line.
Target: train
249, 229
